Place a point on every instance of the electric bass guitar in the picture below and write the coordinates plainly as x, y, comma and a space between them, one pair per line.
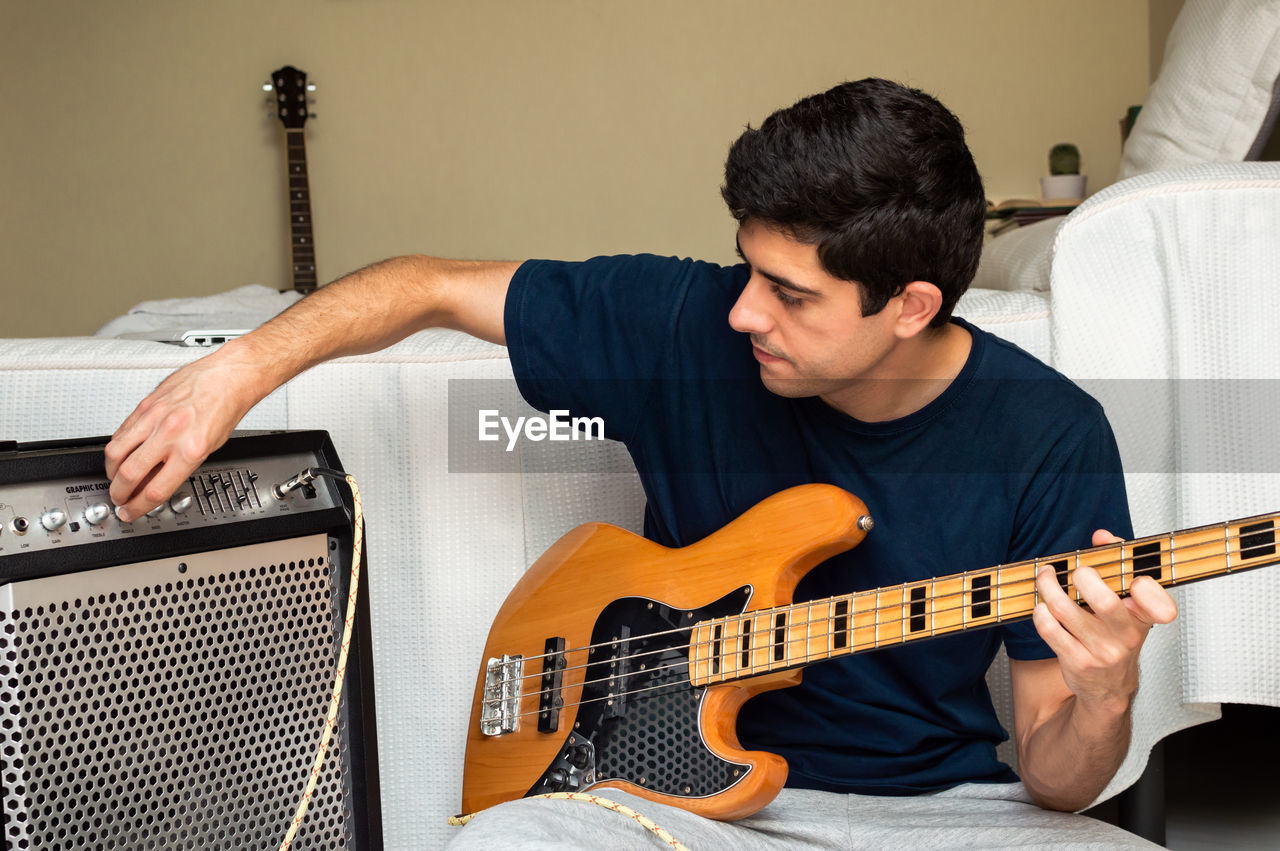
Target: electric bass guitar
617, 660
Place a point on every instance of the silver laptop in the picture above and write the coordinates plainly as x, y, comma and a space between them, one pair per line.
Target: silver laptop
193, 337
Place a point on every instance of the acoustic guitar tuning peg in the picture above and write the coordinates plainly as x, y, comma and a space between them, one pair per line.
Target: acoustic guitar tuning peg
266, 87
311, 87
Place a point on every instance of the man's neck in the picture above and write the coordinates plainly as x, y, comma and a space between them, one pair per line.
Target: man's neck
912, 375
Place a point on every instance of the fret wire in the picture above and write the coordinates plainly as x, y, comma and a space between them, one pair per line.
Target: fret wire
1077, 567
1226, 543
831, 626
1124, 563
933, 595
1173, 566
696, 653
752, 649
724, 644
997, 593
902, 626
877, 611
808, 634
964, 608
786, 640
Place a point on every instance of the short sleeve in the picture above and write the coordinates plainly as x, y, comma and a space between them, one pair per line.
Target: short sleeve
1079, 489
593, 337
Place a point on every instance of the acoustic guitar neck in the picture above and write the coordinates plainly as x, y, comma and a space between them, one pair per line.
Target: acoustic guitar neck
291, 89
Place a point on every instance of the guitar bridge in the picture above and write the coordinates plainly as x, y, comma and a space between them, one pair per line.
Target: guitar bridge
502, 686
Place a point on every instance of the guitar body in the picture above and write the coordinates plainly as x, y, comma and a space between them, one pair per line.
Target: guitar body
597, 635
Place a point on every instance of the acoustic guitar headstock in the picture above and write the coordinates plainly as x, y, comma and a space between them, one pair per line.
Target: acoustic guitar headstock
291, 104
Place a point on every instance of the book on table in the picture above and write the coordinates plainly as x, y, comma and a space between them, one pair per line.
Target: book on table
1042, 209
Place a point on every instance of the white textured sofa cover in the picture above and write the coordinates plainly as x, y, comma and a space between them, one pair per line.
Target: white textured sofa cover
1164, 297
446, 539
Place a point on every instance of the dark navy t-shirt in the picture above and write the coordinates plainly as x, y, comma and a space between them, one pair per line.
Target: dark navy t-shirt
1012, 461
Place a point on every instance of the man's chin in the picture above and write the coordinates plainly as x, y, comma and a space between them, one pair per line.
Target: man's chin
789, 388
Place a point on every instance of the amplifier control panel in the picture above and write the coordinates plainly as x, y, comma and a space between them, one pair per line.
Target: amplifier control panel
45, 515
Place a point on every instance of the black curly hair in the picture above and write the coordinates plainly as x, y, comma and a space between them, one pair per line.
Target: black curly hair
878, 177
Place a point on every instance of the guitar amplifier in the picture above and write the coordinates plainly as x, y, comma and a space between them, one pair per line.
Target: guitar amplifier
164, 683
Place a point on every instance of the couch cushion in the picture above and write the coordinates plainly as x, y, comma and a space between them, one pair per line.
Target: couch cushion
1215, 98
1019, 259
1022, 318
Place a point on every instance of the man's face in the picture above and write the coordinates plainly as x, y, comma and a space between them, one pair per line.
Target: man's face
806, 327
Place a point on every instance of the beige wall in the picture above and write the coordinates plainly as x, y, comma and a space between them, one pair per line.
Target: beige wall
138, 161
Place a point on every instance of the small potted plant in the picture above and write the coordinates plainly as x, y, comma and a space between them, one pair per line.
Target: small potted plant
1065, 180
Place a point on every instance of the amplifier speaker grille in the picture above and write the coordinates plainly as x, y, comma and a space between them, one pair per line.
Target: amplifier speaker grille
173, 704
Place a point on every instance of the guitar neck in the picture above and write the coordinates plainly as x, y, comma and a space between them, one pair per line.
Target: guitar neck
768, 640
301, 239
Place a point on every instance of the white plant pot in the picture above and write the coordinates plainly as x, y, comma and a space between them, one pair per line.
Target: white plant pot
1068, 187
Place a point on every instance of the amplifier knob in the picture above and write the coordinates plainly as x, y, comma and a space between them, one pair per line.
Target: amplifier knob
98, 512
180, 503
155, 512
53, 519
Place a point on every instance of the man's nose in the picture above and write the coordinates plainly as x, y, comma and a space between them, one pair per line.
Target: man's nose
749, 314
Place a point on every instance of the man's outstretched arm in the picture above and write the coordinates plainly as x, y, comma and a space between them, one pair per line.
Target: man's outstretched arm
1072, 714
193, 411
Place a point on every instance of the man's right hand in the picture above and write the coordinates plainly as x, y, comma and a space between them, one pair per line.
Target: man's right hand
174, 429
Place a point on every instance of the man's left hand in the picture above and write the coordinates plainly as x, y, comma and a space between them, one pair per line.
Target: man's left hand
1098, 646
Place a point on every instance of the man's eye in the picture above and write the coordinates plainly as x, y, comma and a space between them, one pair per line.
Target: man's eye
785, 297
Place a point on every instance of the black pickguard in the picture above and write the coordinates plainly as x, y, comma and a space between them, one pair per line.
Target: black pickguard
638, 720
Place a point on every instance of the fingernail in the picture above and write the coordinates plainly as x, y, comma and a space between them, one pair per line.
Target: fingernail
125, 516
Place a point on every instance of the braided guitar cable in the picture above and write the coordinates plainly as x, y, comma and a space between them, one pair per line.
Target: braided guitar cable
643, 821
336, 697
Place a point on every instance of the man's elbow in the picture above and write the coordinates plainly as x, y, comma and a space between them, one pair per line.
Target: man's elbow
1061, 800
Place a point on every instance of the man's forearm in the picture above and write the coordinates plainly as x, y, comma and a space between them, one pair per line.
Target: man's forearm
362, 312
1069, 759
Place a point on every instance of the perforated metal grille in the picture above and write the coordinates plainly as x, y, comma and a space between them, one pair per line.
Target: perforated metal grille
174, 704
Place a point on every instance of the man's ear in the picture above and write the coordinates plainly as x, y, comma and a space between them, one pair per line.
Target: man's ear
918, 303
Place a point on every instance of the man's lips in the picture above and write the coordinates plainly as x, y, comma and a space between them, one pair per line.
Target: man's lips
763, 356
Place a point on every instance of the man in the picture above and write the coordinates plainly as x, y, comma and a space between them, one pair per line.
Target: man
860, 218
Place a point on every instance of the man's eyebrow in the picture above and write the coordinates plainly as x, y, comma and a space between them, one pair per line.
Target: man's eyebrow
777, 279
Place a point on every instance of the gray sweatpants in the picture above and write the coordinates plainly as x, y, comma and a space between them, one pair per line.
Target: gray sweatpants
977, 815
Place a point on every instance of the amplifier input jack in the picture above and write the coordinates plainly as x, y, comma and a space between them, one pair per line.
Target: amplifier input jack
20, 525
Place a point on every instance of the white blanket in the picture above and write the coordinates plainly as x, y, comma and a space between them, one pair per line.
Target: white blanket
245, 307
